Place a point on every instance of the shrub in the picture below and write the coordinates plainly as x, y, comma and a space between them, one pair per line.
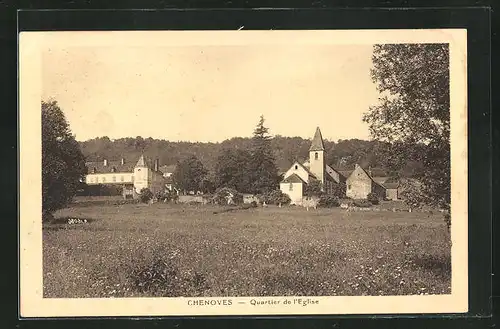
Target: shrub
275, 197
362, 203
226, 196
373, 198
145, 195
328, 201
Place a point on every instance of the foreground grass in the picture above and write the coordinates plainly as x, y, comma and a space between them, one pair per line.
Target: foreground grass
166, 250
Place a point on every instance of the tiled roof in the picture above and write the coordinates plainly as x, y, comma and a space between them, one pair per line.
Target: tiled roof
345, 173
117, 166
167, 168
317, 142
377, 172
379, 180
112, 166
391, 185
293, 178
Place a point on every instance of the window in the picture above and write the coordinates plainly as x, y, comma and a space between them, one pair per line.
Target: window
114, 178
104, 179
315, 155
121, 178
94, 170
290, 188
113, 169
348, 186
296, 167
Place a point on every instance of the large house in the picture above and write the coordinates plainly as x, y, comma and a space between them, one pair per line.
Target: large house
133, 178
358, 183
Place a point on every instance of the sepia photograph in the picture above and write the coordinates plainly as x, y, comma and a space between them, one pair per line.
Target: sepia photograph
243, 172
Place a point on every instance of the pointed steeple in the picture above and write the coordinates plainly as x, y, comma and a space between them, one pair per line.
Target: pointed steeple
317, 142
141, 162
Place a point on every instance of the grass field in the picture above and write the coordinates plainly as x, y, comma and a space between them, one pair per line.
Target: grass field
184, 250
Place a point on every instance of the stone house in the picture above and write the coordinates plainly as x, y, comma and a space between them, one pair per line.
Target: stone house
360, 184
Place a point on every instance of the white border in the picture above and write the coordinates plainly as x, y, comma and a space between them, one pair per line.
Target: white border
34, 305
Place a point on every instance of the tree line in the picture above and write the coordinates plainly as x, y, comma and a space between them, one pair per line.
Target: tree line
343, 154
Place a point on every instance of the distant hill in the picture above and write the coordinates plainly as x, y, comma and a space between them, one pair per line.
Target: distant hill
342, 155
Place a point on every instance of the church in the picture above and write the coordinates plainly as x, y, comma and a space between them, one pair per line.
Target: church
357, 183
300, 175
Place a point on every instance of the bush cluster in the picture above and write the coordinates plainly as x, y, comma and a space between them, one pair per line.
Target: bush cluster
328, 201
223, 195
373, 198
362, 203
275, 197
167, 196
145, 195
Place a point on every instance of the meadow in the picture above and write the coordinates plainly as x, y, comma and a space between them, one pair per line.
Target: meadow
139, 250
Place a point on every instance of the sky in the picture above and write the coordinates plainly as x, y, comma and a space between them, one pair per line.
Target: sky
208, 91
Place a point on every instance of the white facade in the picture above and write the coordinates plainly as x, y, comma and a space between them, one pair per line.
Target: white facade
294, 191
109, 178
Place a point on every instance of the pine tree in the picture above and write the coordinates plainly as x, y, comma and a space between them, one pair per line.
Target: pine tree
264, 170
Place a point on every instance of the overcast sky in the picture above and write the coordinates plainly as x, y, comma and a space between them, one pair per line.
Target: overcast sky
210, 92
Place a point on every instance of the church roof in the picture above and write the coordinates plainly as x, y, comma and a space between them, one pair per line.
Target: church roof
145, 162
142, 162
317, 142
293, 178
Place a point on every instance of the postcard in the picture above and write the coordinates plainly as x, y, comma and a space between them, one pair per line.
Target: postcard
184, 173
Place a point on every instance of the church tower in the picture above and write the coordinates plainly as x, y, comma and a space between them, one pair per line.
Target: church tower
317, 156
141, 174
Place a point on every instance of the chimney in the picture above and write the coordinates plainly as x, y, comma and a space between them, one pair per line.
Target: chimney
157, 164
105, 162
122, 161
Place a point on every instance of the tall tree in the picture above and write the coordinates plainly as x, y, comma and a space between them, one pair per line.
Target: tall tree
232, 169
189, 174
414, 112
264, 170
63, 164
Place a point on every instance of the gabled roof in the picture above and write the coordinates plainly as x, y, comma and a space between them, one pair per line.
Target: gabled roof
358, 167
293, 178
331, 171
345, 173
376, 173
302, 166
379, 180
391, 185
317, 142
306, 169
